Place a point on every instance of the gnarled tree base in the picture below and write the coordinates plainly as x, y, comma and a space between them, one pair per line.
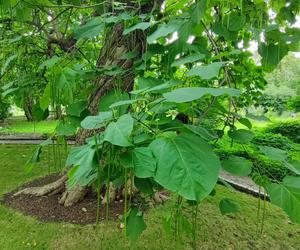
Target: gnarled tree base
69, 197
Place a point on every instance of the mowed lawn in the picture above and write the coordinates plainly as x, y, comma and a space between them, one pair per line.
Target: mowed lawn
20, 125
236, 231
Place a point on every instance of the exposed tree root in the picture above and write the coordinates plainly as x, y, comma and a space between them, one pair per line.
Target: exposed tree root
49, 189
112, 194
73, 195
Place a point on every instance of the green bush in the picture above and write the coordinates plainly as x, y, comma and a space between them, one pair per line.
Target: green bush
261, 164
272, 140
287, 129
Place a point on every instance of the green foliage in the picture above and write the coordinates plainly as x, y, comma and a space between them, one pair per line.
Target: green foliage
290, 130
4, 108
286, 195
228, 206
237, 165
185, 164
272, 140
158, 131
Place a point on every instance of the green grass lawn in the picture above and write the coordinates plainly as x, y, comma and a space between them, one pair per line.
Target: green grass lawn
20, 125
215, 231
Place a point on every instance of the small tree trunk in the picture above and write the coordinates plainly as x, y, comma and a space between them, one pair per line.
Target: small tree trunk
27, 107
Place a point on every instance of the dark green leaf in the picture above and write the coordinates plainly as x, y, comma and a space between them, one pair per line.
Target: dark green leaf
186, 164
135, 224
228, 206
242, 136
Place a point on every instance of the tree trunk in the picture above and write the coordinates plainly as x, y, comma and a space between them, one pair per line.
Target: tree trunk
27, 107
115, 46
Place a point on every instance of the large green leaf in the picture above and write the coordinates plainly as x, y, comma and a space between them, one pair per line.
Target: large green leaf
144, 162
274, 153
187, 59
141, 161
294, 166
237, 165
118, 133
234, 21
68, 127
193, 93
91, 29
186, 164
202, 132
135, 224
242, 136
199, 11
82, 159
206, 72
76, 108
272, 54
138, 26
164, 30
97, 121
287, 196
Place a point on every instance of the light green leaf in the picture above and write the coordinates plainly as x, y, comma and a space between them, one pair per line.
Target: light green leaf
237, 165
50, 62
228, 206
187, 59
98, 121
34, 158
7, 62
82, 159
118, 133
206, 72
186, 164
46, 98
193, 93
138, 26
287, 196
164, 30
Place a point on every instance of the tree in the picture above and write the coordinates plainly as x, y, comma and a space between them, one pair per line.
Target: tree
163, 67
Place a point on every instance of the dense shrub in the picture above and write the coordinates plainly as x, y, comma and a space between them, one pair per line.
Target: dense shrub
272, 140
261, 164
294, 103
288, 129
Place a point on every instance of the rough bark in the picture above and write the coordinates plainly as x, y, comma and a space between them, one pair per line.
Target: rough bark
28, 105
115, 45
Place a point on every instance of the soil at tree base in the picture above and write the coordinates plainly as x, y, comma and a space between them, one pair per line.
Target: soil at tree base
47, 208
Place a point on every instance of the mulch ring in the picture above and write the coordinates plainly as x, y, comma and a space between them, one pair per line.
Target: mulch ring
47, 208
